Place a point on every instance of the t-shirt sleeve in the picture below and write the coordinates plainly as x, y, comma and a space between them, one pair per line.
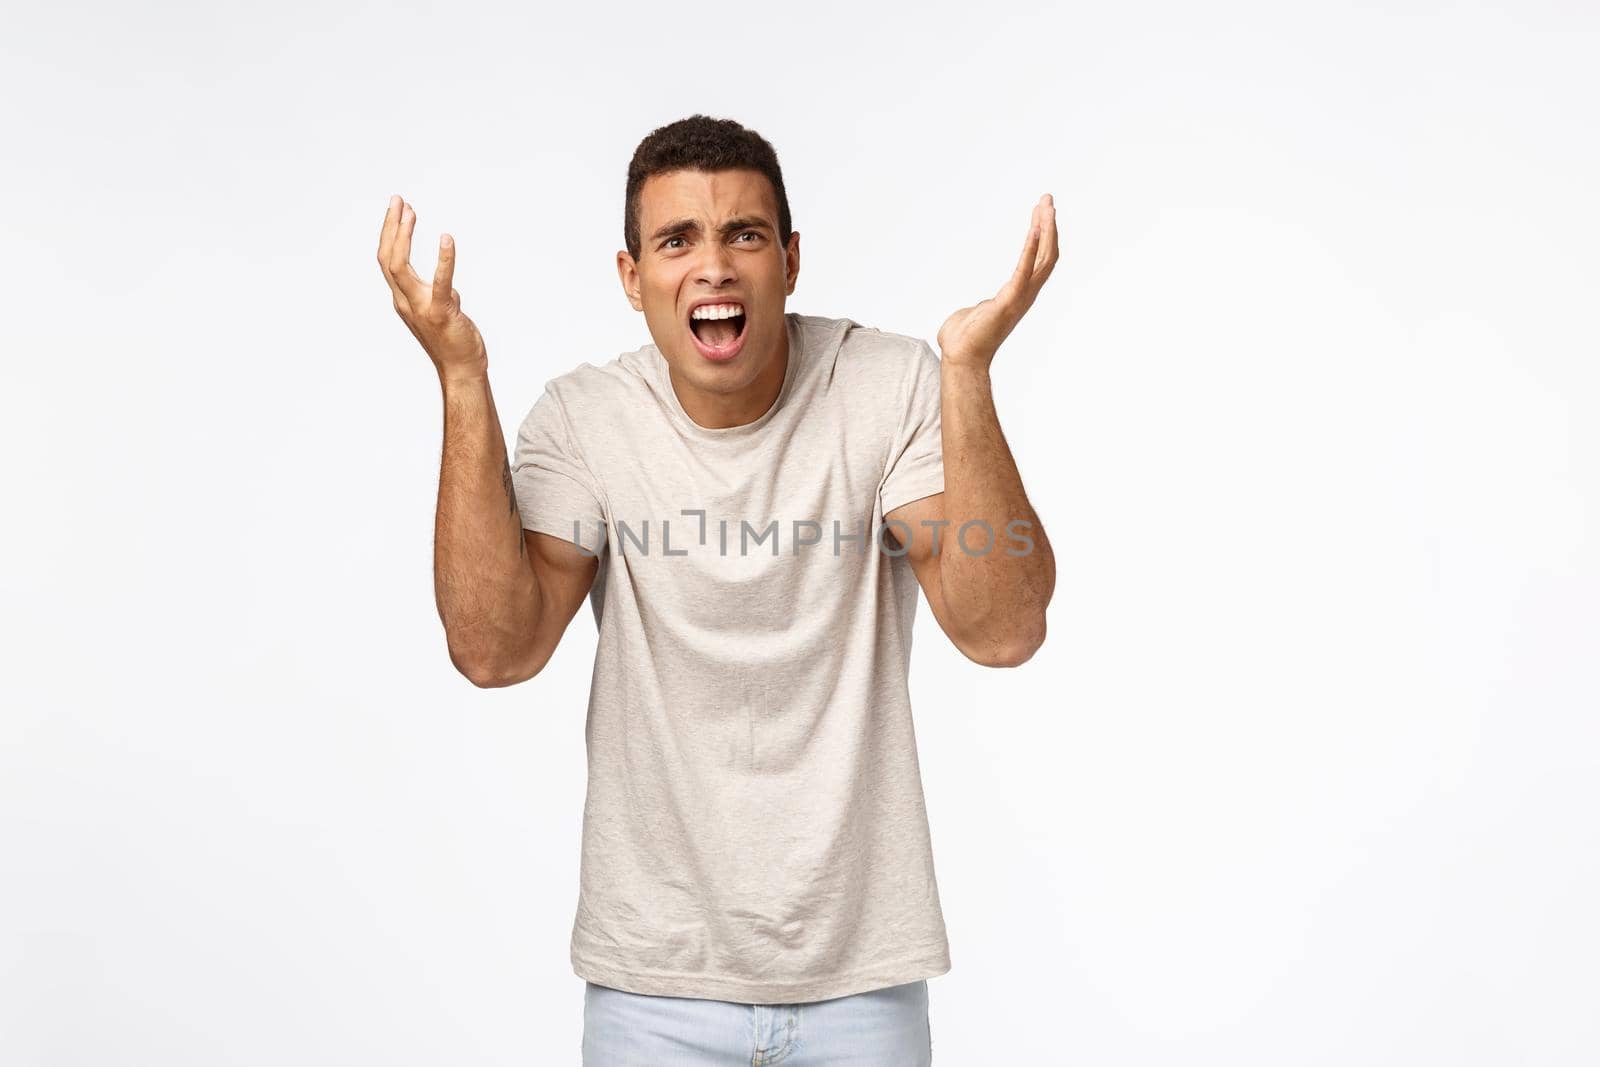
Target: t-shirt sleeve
554, 487
916, 456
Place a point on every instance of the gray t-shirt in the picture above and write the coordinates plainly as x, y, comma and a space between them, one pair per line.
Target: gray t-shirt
754, 828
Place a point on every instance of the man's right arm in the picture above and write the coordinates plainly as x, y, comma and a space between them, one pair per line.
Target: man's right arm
505, 594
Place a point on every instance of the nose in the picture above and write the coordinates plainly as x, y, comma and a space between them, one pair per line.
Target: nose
715, 268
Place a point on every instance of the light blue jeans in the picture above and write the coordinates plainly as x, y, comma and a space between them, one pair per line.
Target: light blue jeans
881, 1028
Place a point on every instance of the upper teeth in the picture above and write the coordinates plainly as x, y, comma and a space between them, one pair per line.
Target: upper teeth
716, 311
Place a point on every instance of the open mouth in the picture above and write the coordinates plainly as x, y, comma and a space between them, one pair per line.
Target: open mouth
720, 337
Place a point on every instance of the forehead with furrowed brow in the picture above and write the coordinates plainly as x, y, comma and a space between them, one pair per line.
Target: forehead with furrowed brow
678, 227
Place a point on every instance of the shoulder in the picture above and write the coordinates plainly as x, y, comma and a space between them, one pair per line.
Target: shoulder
884, 361
863, 342
594, 392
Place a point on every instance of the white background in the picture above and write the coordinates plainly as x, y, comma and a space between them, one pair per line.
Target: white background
1306, 771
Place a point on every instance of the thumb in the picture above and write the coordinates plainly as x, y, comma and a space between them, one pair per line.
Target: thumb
444, 272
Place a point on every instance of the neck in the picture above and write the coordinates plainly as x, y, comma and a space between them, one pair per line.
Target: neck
721, 411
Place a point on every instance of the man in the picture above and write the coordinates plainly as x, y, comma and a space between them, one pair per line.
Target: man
746, 502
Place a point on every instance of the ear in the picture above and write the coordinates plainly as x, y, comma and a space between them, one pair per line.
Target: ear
791, 261
628, 273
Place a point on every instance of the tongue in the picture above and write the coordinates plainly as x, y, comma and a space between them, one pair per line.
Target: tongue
716, 332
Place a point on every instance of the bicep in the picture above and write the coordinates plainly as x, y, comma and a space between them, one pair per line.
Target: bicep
564, 574
919, 526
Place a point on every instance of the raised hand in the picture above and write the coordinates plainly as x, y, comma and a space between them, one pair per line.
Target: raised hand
431, 312
973, 335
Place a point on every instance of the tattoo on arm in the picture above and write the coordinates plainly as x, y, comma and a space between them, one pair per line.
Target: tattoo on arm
511, 499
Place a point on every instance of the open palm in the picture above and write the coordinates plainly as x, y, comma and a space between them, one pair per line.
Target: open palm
431, 311
974, 334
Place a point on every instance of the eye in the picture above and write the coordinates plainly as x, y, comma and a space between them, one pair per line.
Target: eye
751, 233
668, 242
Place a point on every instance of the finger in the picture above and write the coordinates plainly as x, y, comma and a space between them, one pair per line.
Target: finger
400, 247
1030, 278
408, 280
386, 231
1030, 247
444, 271
1030, 253
386, 239
388, 246
1048, 250
1049, 246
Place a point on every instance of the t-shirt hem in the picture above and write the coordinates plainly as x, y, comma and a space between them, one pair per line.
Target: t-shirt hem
586, 532
713, 987
900, 494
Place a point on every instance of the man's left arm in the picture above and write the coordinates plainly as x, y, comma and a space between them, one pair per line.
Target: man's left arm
978, 549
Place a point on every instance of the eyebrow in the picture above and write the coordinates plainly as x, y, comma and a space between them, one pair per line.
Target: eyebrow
682, 226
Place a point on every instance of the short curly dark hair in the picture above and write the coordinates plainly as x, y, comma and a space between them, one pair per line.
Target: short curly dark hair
700, 142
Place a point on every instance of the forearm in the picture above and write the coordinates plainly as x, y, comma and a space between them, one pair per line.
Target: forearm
998, 596
484, 583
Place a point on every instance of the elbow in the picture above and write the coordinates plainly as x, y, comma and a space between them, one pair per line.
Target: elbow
1012, 649
494, 679
493, 673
